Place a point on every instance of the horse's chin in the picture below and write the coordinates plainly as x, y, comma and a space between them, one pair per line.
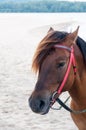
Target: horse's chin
45, 111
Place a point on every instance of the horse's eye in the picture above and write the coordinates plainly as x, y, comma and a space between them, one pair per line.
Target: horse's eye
60, 65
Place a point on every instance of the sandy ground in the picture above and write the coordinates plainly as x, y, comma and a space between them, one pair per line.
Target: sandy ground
19, 36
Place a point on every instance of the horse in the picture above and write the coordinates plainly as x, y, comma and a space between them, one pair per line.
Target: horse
60, 65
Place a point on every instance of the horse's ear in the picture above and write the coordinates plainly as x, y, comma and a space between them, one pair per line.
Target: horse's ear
73, 36
50, 30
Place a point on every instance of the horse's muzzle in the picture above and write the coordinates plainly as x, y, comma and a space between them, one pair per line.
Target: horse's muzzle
39, 105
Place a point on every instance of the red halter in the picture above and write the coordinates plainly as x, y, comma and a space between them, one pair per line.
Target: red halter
71, 62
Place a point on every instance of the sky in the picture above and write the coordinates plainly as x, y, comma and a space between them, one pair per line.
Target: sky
77, 0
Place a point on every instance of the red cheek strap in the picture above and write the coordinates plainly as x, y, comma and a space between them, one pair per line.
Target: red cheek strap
71, 63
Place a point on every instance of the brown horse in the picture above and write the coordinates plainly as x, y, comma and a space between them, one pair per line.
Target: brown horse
60, 62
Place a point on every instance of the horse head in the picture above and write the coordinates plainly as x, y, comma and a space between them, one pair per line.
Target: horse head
51, 63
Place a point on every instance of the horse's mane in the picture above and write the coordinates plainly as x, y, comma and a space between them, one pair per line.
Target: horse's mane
46, 46
82, 45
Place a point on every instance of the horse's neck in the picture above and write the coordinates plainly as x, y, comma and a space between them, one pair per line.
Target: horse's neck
78, 90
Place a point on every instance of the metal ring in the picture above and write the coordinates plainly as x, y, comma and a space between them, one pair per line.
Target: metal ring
53, 95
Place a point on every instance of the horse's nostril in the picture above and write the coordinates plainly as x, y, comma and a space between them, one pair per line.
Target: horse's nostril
42, 104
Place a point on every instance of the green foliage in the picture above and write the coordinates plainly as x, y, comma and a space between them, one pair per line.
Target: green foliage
42, 6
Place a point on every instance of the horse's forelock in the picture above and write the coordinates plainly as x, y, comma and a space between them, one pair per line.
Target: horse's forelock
45, 47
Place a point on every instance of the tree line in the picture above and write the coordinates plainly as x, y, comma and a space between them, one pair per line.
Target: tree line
43, 6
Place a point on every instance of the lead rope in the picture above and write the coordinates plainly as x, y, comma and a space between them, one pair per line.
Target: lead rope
58, 100
63, 104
